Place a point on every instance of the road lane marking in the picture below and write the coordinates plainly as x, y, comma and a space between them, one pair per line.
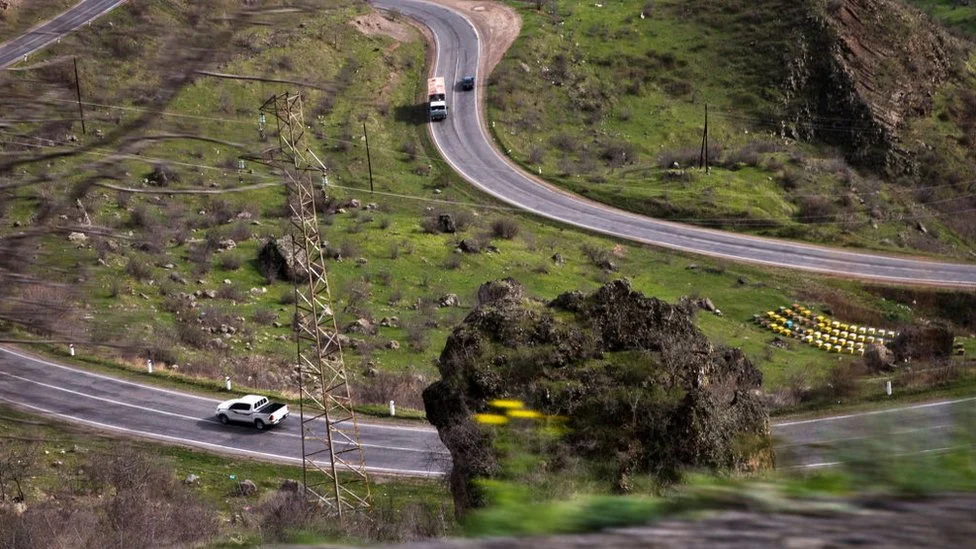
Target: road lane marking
208, 420
876, 412
81, 372
211, 445
878, 435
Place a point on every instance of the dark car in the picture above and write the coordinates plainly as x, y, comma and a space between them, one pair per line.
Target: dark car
467, 83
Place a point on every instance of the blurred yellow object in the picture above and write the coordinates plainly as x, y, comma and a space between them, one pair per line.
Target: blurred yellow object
524, 414
507, 403
490, 419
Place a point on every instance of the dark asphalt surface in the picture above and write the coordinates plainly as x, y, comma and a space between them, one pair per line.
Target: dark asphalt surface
132, 409
464, 143
25, 44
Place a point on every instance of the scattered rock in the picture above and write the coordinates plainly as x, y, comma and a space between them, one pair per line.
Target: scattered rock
446, 224
210, 294
277, 261
779, 343
191, 479
226, 244
361, 326
706, 304
921, 228
372, 206
371, 371
390, 322
393, 345
500, 290
247, 487
469, 246
243, 215
354, 203
607, 265
361, 262
557, 258
227, 282
742, 281
450, 300
78, 239
878, 358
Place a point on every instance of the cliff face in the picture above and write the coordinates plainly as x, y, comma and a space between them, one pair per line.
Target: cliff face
860, 69
642, 389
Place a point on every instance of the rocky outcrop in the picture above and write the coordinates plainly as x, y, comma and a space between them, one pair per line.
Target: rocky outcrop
640, 386
277, 261
859, 70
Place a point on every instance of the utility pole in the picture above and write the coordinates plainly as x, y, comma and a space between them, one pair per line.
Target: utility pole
322, 382
369, 162
81, 111
703, 155
706, 138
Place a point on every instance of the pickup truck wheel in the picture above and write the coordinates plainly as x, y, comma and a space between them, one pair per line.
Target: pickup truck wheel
258, 424
223, 419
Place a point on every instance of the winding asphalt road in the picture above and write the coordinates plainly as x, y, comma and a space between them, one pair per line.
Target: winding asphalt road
464, 142
133, 409
44, 34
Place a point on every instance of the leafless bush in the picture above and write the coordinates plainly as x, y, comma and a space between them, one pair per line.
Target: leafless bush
139, 268
536, 154
385, 223
417, 334
505, 227
17, 463
410, 150
265, 317
453, 262
190, 334
596, 255
815, 209
231, 262
231, 292
684, 158
404, 388
564, 142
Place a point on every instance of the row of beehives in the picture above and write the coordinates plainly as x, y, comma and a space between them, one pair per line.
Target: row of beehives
821, 331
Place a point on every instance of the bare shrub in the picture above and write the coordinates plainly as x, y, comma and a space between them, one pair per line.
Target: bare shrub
231, 262
505, 227
139, 268
404, 388
265, 317
453, 262
384, 277
394, 250
683, 158
536, 154
564, 142
231, 292
417, 334
815, 209
410, 150
190, 334
596, 255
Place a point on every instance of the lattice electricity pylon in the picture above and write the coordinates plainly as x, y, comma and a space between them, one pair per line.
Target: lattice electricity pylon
322, 374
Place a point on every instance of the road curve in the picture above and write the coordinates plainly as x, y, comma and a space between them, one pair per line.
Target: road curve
42, 35
464, 142
143, 411
137, 410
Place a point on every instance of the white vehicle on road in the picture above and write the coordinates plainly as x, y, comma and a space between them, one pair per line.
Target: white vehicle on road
252, 409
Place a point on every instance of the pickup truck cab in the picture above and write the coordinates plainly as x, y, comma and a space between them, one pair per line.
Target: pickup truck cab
252, 409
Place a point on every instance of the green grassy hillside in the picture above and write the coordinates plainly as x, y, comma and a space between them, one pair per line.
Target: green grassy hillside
621, 121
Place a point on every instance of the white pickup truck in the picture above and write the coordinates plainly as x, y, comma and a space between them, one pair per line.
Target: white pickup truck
253, 409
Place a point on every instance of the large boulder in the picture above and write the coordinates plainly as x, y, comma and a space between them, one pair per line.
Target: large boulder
643, 391
277, 260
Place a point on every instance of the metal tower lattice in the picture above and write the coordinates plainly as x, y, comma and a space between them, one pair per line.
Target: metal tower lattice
322, 375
